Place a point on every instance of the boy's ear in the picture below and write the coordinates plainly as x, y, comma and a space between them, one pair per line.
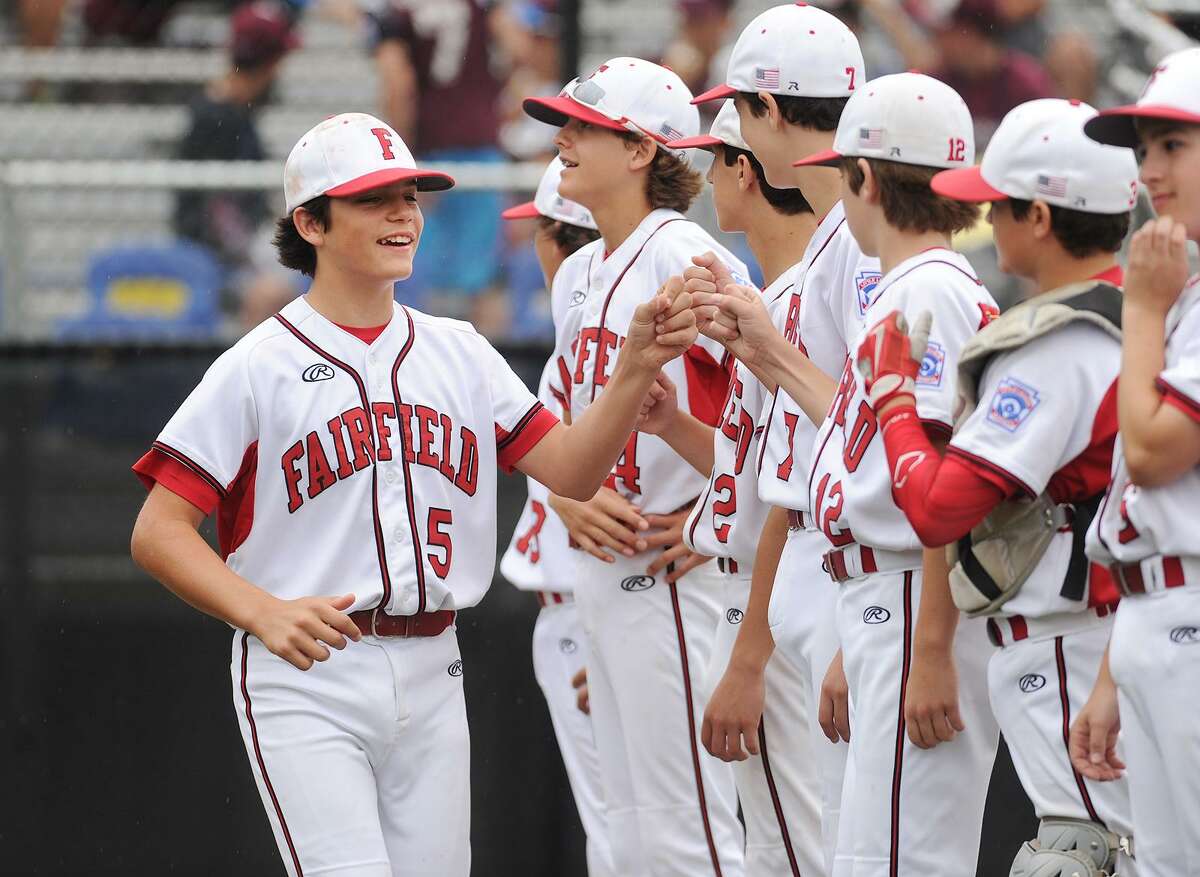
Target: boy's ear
869, 191
746, 177
308, 226
774, 114
1041, 220
641, 153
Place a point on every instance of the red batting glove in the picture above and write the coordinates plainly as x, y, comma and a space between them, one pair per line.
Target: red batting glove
889, 359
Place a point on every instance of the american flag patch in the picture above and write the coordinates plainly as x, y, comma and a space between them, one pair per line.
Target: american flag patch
870, 138
1055, 187
766, 77
670, 133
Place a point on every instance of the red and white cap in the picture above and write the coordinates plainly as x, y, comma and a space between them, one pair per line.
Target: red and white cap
547, 202
909, 118
796, 50
351, 153
624, 94
726, 130
1173, 92
1040, 153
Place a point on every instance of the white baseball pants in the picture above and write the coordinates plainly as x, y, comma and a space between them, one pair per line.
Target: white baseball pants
1037, 687
363, 761
560, 650
909, 811
1155, 660
803, 618
672, 808
779, 788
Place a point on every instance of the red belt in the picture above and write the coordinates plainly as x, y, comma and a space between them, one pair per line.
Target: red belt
795, 520
375, 622
727, 565
1130, 580
1014, 628
553, 598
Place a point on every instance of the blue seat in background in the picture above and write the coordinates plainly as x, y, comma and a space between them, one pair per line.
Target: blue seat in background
159, 291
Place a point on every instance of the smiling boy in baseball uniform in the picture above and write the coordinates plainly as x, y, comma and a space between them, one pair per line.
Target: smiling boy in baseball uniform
348, 447
790, 75
539, 558
1030, 458
670, 809
1146, 529
777, 786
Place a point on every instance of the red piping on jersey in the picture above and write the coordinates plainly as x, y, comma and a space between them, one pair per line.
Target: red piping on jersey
1064, 699
775, 802
380, 551
418, 557
608, 298
191, 464
512, 435
691, 720
800, 341
901, 730
1177, 398
879, 292
262, 765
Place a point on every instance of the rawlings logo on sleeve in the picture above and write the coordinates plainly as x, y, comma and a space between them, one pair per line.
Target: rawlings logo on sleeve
1012, 404
933, 363
864, 284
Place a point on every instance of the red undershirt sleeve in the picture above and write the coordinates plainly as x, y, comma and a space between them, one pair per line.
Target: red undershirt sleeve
155, 467
707, 384
942, 497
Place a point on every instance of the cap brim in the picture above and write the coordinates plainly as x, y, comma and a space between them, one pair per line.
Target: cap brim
702, 141
965, 184
825, 158
718, 93
556, 110
427, 181
1115, 127
528, 210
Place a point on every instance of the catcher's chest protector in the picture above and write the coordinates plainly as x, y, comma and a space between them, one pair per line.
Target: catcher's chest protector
990, 564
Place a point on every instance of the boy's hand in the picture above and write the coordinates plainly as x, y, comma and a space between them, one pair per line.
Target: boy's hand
662, 328
1093, 741
607, 520
931, 699
738, 319
659, 407
675, 558
889, 358
834, 711
733, 714
1158, 264
580, 684
295, 629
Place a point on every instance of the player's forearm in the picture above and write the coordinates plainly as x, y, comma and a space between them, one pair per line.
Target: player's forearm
755, 644
692, 440
177, 556
788, 368
1145, 422
937, 617
591, 445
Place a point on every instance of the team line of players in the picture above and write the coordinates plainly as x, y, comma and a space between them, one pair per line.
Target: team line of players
846, 454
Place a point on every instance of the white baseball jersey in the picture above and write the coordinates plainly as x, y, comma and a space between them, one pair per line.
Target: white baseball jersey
833, 286
1046, 418
728, 519
335, 465
649, 473
850, 485
1134, 522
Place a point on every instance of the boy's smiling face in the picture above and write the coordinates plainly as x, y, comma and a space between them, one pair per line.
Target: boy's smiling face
375, 233
594, 159
1170, 169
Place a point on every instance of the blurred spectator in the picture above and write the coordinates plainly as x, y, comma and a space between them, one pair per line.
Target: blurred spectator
440, 64
888, 33
223, 128
132, 22
696, 53
535, 73
41, 22
991, 77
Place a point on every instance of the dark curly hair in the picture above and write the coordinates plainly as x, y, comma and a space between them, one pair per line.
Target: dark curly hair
291, 249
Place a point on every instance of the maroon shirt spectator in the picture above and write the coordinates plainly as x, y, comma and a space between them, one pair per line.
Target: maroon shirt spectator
435, 64
976, 63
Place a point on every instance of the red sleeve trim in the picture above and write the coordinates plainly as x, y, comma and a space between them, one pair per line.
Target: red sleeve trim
707, 384
157, 467
1178, 399
988, 470
530, 429
935, 429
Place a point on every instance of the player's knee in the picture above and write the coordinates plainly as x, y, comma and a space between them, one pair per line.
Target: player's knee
1067, 847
